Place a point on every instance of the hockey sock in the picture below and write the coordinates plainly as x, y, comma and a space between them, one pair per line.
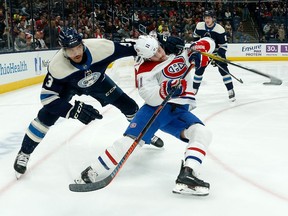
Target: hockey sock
112, 155
199, 140
34, 135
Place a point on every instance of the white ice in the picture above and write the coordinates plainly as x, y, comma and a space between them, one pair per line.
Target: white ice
247, 163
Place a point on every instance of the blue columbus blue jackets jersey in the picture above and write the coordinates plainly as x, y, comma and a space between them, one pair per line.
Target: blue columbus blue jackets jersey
86, 78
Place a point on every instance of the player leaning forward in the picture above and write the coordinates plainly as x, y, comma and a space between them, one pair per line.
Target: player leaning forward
156, 76
77, 69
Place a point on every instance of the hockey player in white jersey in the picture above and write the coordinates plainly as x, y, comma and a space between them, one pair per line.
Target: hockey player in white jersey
156, 76
209, 28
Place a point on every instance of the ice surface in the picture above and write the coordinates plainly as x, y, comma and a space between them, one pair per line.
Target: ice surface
247, 163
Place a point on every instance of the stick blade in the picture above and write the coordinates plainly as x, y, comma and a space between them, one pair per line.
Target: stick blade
91, 186
273, 82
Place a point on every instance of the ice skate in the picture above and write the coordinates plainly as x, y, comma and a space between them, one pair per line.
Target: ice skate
231, 94
20, 164
188, 184
88, 175
157, 141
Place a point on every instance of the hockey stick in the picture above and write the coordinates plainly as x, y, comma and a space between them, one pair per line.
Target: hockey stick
107, 180
273, 80
238, 79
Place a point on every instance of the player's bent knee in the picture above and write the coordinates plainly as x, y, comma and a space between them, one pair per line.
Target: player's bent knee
198, 133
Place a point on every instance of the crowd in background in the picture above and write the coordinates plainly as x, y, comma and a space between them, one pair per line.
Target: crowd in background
29, 29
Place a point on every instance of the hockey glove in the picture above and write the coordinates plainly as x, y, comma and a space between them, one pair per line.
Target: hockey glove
84, 113
171, 45
167, 86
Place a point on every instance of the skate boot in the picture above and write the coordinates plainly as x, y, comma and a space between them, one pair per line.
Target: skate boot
187, 183
231, 94
88, 175
157, 141
20, 164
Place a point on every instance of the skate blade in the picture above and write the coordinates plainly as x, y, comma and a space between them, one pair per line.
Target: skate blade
195, 191
18, 175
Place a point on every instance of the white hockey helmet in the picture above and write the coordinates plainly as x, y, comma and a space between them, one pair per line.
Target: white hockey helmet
146, 46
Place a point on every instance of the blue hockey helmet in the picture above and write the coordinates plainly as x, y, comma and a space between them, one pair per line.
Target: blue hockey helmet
209, 13
69, 38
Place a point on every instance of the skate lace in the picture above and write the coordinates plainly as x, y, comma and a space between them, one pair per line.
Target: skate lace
22, 159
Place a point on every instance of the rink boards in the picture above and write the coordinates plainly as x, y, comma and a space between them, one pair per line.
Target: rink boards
18, 70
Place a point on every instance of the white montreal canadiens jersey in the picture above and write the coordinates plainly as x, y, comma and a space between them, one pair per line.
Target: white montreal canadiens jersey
151, 74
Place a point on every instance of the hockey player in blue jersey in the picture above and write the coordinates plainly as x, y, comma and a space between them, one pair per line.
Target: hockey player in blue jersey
209, 28
156, 76
78, 68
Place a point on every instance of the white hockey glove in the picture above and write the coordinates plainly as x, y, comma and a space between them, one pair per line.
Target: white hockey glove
84, 113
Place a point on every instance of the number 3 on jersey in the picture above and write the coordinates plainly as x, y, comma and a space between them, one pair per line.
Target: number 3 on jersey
49, 81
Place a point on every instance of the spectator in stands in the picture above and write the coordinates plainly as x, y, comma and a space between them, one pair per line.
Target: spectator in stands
41, 23
7, 37
271, 36
228, 29
245, 12
22, 25
110, 28
228, 15
134, 33
2, 22
188, 36
117, 23
23, 42
165, 31
124, 32
267, 28
189, 26
281, 33
98, 33
51, 35
135, 18
174, 31
38, 42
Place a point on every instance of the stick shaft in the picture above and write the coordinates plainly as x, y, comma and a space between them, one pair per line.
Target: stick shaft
273, 80
239, 80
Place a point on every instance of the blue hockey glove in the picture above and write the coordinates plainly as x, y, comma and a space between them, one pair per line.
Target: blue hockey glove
167, 86
171, 45
84, 113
